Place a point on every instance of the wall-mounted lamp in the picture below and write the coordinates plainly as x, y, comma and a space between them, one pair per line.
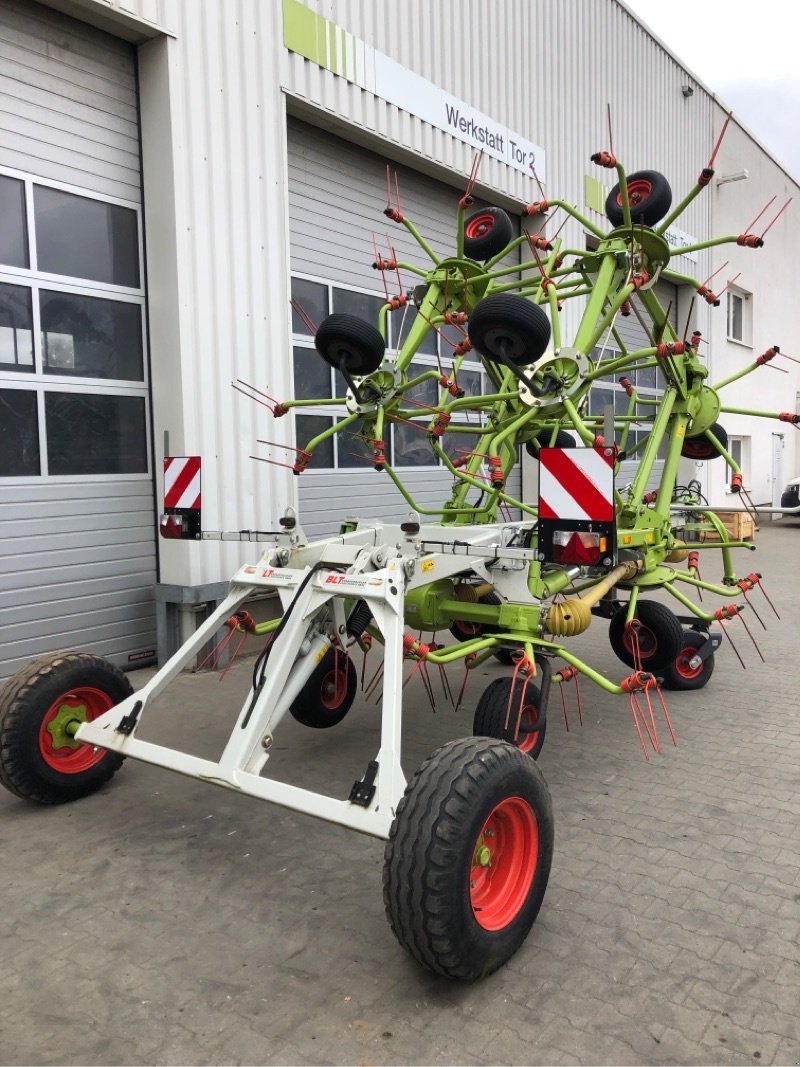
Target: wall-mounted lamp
739, 176
687, 90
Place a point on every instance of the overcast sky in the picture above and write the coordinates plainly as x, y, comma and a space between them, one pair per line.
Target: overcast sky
745, 51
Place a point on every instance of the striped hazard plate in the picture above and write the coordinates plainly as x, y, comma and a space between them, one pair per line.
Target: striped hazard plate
576, 484
182, 482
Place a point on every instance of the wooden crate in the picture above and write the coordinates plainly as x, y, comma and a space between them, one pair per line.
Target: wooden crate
739, 525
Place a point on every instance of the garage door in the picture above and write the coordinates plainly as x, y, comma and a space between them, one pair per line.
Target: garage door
337, 193
77, 542
649, 385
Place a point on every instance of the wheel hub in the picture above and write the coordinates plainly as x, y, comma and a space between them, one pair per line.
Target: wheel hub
64, 724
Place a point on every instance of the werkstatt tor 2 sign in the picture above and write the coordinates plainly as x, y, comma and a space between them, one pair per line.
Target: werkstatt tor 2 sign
334, 49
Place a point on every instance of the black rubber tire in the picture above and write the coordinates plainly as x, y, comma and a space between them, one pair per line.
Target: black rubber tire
463, 631
432, 879
345, 341
490, 715
328, 694
487, 231
563, 440
678, 675
660, 636
650, 198
700, 448
27, 700
510, 323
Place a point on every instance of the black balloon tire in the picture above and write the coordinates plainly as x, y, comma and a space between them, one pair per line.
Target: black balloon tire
678, 675
431, 899
700, 448
505, 320
492, 707
652, 195
28, 700
345, 341
310, 707
660, 636
563, 440
487, 231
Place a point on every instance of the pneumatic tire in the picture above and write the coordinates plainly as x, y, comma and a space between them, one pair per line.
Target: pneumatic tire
510, 325
700, 448
39, 707
493, 706
345, 341
487, 231
328, 694
680, 675
660, 636
468, 857
649, 196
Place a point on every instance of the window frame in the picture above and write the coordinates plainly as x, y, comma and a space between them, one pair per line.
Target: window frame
734, 292
41, 381
306, 341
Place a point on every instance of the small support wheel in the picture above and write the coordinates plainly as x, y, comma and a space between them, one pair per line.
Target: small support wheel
649, 196
41, 707
349, 344
509, 327
680, 674
329, 693
659, 636
487, 231
468, 857
701, 448
542, 440
491, 710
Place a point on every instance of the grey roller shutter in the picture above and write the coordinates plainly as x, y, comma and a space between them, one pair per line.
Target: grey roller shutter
337, 194
77, 555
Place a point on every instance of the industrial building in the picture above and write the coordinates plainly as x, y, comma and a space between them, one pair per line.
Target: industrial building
172, 173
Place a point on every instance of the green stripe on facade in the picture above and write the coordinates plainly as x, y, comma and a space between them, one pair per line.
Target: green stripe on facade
304, 32
594, 194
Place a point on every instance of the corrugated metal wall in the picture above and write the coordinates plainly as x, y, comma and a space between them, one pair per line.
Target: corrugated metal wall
78, 570
77, 557
68, 107
337, 192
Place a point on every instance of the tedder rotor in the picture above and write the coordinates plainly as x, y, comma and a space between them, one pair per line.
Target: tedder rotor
469, 838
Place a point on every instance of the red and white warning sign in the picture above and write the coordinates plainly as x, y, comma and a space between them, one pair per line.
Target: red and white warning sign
576, 483
182, 482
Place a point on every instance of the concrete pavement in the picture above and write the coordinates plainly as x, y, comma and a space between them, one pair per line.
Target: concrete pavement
163, 921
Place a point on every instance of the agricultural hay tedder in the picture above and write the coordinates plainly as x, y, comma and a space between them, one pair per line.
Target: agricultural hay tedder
469, 838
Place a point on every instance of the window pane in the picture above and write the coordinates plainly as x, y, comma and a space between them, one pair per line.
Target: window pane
470, 382
459, 445
84, 335
14, 230
426, 392
85, 238
402, 321
16, 333
646, 378
312, 375
92, 434
312, 299
355, 451
598, 398
19, 434
306, 428
359, 304
735, 317
411, 446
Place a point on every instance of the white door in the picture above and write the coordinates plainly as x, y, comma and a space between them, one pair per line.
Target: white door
777, 470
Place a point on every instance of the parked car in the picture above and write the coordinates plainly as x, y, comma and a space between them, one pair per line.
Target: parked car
791, 494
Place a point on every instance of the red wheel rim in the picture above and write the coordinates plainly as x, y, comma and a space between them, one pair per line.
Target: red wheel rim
644, 637
698, 450
58, 749
685, 656
638, 192
479, 226
467, 629
333, 689
527, 741
504, 863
